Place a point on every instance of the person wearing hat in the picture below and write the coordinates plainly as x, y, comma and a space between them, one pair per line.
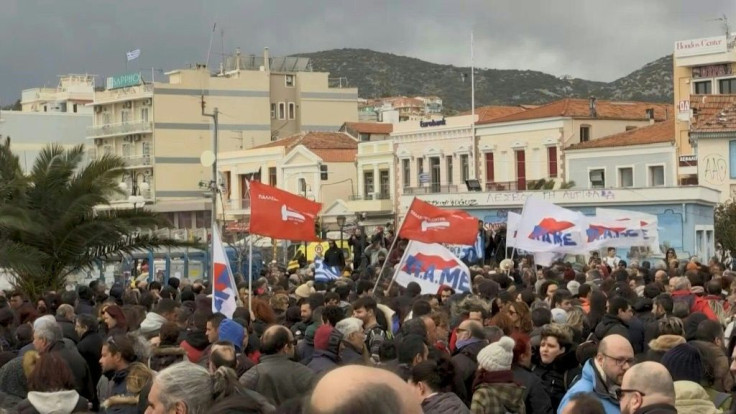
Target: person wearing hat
494, 384
334, 255
685, 364
234, 333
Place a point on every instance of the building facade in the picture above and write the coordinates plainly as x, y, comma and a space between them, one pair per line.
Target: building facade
72, 95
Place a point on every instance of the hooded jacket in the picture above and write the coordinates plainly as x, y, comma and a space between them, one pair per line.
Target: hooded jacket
164, 356
660, 345
500, 398
536, 398
152, 324
53, 403
444, 403
611, 325
591, 381
691, 398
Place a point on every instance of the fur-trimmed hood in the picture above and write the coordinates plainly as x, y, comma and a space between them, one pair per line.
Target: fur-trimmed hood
116, 400
664, 343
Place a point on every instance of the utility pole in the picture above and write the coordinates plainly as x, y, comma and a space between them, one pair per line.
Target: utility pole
213, 187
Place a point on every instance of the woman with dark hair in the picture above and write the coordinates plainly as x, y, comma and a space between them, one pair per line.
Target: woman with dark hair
114, 320
555, 362
432, 380
263, 316
519, 314
535, 398
51, 388
168, 351
444, 293
597, 310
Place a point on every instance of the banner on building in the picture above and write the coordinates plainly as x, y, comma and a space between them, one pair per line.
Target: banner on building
431, 266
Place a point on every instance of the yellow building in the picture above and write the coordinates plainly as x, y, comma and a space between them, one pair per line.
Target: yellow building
703, 68
160, 130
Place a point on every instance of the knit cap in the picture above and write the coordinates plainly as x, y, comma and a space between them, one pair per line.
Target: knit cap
684, 363
231, 331
497, 356
559, 315
574, 287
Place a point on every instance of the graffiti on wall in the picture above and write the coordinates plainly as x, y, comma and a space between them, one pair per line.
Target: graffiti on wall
715, 169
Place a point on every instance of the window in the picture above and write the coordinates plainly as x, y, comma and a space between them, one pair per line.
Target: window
490, 168
272, 176
448, 168
184, 219
368, 185
384, 181
289, 81
656, 176
75, 108
597, 178
282, 110
292, 110
108, 149
144, 114
406, 172
552, 162
732, 158
434, 173
106, 118
584, 133
626, 177
273, 111
420, 165
323, 172
464, 167
727, 86
125, 116
127, 150
520, 170
703, 88
228, 183
302, 186
365, 137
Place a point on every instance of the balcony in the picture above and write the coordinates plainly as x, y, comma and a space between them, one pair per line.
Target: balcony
432, 189
236, 207
371, 202
123, 128
137, 161
122, 198
124, 94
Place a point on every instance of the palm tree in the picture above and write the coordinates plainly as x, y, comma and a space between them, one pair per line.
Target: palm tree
51, 223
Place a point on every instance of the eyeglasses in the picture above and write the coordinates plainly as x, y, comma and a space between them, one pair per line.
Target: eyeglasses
621, 361
620, 393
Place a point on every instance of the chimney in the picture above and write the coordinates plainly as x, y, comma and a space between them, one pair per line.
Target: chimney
650, 115
593, 110
266, 60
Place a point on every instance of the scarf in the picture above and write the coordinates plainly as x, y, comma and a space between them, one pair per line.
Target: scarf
495, 377
462, 343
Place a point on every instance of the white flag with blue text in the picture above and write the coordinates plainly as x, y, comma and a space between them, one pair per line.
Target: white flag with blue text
324, 273
133, 54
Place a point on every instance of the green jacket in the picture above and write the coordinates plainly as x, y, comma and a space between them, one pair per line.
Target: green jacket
498, 399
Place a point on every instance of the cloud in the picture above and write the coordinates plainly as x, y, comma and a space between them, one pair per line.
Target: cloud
591, 39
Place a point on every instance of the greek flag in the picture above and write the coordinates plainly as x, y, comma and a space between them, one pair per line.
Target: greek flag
324, 273
133, 54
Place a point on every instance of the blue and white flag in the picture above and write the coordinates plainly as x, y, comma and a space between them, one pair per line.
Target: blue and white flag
223, 283
470, 254
133, 54
324, 273
432, 266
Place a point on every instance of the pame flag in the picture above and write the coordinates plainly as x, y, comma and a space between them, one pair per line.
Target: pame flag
609, 233
647, 222
223, 286
324, 273
469, 254
545, 227
431, 266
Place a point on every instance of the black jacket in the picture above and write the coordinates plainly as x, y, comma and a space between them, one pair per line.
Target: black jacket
611, 325
657, 409
335, 257
636, 335
67, 329
90, 348
164, 356
79, 368
444, 403
536, 398
465, 362
558, 376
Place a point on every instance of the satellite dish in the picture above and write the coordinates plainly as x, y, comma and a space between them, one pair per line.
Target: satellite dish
207, 158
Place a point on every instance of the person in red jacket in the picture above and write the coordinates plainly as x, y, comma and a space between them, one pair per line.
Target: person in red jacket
696, 303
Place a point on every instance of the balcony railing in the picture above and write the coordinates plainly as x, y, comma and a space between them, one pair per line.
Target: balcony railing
431, 189
123, 128
137, 160
379, 196
505, 186
124, 94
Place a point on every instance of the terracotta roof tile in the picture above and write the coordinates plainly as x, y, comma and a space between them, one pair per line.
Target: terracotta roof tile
486, 113
652, 134
579, 108
713, 113
330, 146
370, 127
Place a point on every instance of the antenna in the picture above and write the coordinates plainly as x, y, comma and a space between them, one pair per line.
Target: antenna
724, 24
222, 55
209, 50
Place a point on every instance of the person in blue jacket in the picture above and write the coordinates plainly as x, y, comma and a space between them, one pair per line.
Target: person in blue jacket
603, 375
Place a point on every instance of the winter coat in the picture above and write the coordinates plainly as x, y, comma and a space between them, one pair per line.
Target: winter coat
322, 362
636, 335
611, 325
278, 378
85, 308
152, 325
9, 402
124, 392
498, 399
657, 409
335, 257
90, 348
465, 362
695, 303
195, 344
351, 356
67, 329
691, 398
164, 356
591, 382
658, 347
79, 368
444, 403
12, 379
557, 376
56, 402
536, 398
716, 365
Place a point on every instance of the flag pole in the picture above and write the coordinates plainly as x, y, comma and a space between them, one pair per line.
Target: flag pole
250, 273
403, 257
393, 244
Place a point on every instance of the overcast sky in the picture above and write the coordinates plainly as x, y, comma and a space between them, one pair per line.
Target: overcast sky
592, 39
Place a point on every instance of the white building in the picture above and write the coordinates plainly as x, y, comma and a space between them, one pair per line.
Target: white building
71, 96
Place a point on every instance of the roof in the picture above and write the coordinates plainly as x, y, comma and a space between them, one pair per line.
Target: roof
580, 108
370, 127
486, 113
660, 132
713, 113
330, 146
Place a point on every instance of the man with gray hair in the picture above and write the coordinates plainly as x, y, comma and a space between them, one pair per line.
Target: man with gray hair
353, 341
647, 387
65, 318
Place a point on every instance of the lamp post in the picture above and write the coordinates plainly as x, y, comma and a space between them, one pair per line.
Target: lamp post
341, 223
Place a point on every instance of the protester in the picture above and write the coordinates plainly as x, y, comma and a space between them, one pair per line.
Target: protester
556, 363
51, 388
647, 388
494, 385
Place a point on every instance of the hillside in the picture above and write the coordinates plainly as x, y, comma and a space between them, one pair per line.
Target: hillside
378, 74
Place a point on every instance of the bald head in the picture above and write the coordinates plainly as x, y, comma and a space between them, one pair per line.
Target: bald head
356, 389
277, 339
473, 328
653, 380
615, 344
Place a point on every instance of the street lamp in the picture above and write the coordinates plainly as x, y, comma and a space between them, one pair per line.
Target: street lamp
341, 223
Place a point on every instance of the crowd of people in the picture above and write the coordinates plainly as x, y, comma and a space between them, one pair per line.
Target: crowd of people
607, 337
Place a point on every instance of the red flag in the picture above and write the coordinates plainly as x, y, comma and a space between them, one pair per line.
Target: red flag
280, 214
429, 224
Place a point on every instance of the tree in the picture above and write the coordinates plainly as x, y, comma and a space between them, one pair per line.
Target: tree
725, 225
53, 222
